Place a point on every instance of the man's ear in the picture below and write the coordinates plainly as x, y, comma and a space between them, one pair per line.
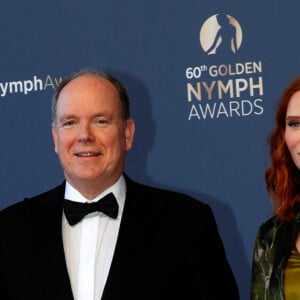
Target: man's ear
129, 133
54, 135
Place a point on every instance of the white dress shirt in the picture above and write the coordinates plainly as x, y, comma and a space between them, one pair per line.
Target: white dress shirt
89, 245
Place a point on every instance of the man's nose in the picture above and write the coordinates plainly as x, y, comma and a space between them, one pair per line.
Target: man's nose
85, 132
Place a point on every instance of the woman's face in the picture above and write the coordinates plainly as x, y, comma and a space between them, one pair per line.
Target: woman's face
292, 128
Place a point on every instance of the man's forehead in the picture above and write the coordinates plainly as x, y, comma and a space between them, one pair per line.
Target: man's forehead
89, 86
92, 80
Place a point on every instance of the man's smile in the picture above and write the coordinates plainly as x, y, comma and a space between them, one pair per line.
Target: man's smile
87, 154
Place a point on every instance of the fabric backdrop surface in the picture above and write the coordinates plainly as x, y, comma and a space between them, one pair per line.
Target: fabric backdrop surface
204, 78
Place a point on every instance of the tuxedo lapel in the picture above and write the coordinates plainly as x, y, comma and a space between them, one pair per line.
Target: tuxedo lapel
133, 246
33, 264
52, 255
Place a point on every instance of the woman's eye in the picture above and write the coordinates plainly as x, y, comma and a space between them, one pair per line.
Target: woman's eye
293, 123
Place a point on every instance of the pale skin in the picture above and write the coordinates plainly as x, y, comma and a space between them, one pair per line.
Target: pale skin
89, 136
292, 135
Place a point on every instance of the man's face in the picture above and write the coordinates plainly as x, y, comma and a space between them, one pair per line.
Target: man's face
90, 137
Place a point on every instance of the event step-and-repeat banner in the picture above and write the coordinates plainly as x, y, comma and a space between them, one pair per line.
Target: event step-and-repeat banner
204, 78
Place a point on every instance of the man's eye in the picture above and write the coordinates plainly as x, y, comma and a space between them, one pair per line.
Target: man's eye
101, 121
68, 123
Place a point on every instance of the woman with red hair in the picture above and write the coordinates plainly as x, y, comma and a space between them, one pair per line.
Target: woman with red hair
276, 257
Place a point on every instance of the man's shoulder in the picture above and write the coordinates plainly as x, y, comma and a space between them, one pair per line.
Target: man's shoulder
37, 202
166, 197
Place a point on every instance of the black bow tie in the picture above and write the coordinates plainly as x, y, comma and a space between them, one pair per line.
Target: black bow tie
76, 211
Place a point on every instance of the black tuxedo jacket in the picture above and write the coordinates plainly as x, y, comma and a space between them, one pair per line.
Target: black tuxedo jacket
168, 248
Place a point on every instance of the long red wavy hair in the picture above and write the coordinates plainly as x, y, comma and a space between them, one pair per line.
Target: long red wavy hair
282, 176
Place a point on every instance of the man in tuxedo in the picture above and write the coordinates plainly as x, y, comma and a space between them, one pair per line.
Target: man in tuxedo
137, 242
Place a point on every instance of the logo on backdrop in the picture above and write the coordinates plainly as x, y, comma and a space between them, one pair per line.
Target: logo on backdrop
221, 33
230, 89
29, 85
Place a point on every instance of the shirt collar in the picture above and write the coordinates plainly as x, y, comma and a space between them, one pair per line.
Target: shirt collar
118, 189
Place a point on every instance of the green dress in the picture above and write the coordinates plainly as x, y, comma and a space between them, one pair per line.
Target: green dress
273, 245
292, 276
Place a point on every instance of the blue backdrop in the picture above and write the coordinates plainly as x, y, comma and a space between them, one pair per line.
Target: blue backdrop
203, 111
